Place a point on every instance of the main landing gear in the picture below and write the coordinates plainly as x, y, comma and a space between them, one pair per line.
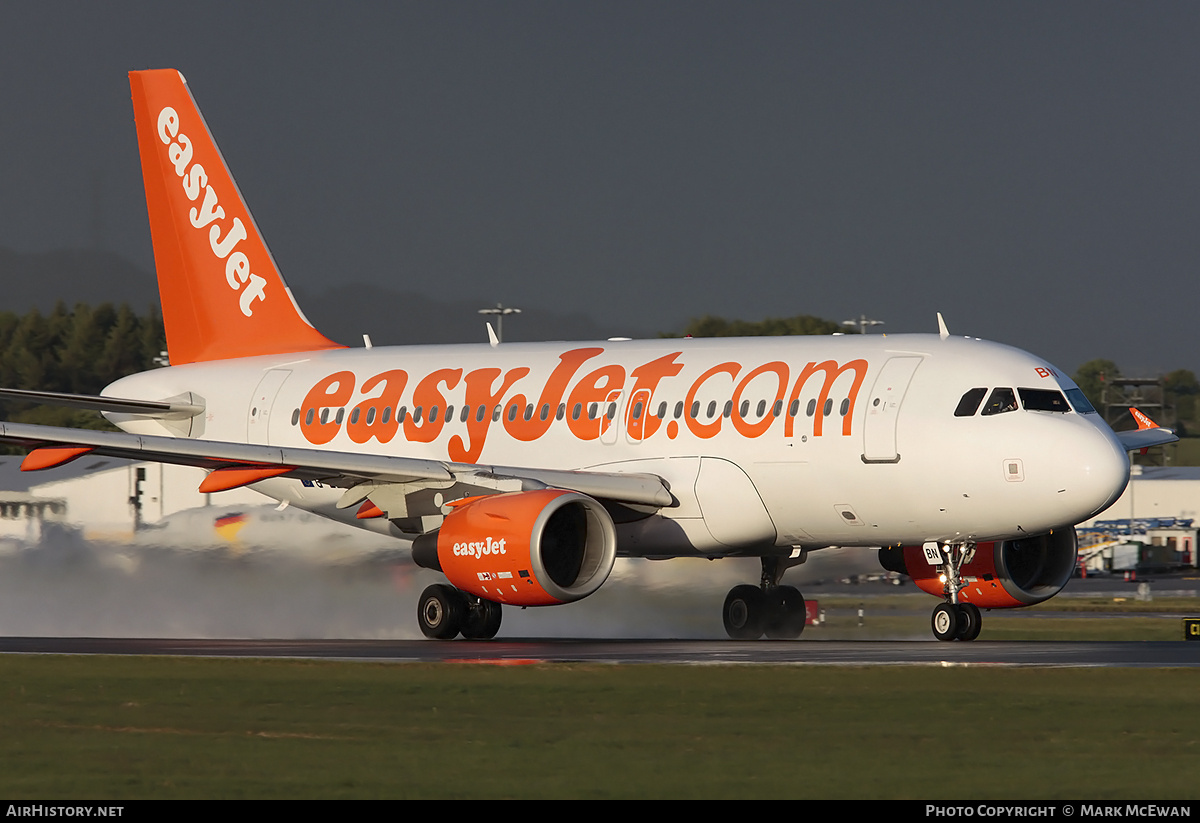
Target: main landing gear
768, 608
444, 612
953, 620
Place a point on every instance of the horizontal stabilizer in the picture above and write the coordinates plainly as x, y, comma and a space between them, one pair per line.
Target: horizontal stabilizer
164, 409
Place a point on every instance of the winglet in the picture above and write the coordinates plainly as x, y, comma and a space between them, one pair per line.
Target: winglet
222, 295
1143, 421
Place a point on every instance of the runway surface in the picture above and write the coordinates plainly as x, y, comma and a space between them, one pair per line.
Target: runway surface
692, 652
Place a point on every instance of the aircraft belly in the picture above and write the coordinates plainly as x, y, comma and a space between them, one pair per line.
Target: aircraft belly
732, 509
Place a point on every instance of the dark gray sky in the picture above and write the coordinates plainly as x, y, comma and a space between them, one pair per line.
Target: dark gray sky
1028, 169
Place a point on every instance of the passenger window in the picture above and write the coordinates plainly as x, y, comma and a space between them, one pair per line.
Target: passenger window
1044, 400
1001, 401
970, 403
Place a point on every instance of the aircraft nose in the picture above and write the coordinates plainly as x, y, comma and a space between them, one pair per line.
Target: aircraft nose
1101, 469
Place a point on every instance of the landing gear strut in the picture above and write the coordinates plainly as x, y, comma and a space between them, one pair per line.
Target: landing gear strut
768, 608
953, 620
444, 611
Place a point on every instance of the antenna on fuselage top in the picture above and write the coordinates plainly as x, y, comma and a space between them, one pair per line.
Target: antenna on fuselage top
943, 332
492, 338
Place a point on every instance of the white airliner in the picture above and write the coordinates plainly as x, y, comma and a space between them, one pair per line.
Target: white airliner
521, 471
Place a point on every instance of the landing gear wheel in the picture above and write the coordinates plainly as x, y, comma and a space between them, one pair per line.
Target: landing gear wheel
971, 621
745, 613
785, 613
946, 621
441, 611
482, 621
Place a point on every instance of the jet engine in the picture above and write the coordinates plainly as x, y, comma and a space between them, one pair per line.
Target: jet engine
1002, 575
532, 548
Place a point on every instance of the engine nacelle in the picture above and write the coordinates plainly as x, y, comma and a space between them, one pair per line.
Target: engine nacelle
534, 548
1002, 575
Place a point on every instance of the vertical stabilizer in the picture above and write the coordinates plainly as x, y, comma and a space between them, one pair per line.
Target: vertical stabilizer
222, 295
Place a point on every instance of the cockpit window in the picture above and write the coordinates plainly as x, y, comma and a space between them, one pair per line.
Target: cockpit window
970, 403
1001, 401
1079, 402
1044, 400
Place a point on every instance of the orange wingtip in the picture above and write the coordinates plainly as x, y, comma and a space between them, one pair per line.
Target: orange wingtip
368, 510
220, 480
50, 456
1143, 421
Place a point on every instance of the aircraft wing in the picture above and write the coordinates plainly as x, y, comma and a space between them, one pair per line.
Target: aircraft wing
1145, 438
238, 464
1147, 434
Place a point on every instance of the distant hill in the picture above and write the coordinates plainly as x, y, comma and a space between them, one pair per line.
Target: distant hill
40, 280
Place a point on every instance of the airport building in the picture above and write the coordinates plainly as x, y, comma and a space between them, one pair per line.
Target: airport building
1153, 526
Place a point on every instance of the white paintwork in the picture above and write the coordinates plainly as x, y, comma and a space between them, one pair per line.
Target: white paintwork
949, 480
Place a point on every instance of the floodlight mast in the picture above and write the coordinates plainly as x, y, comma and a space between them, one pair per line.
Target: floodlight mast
862, 323
500, 311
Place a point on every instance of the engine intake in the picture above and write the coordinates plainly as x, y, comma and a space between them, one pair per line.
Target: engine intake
534, 548
1002, 575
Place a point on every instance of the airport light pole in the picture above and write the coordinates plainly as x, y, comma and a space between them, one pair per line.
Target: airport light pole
500, 311
862, 323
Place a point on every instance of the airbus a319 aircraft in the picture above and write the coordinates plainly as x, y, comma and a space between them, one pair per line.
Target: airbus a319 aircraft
522, 471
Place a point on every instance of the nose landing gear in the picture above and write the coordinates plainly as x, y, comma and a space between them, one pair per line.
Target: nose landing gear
953, 620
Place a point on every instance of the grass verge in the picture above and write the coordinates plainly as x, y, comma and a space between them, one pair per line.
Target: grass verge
124, 728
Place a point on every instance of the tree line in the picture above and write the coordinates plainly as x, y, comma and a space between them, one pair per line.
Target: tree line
78, 351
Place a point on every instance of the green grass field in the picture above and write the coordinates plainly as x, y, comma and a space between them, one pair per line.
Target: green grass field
127, 728
130, 728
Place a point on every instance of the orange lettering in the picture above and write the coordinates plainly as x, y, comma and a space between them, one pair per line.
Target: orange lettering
707, 430
832, 372
479, 394
755, 429
592, 390
646, 379
331, 393
376, 416
552, 392
427, 397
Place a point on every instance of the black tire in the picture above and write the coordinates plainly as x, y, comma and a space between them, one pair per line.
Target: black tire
745, 613
971, 621
945, 622
785, 613
482, 621
441, 612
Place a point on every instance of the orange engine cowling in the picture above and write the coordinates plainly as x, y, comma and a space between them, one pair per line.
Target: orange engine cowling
1002, 575
534, 548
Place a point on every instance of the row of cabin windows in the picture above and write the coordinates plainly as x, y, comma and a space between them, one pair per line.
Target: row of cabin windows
1004, 399
593, 411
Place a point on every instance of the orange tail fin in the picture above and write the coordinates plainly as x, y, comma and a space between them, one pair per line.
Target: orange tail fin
222, 295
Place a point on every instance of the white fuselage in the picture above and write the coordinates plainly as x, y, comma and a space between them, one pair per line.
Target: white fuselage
765, 443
